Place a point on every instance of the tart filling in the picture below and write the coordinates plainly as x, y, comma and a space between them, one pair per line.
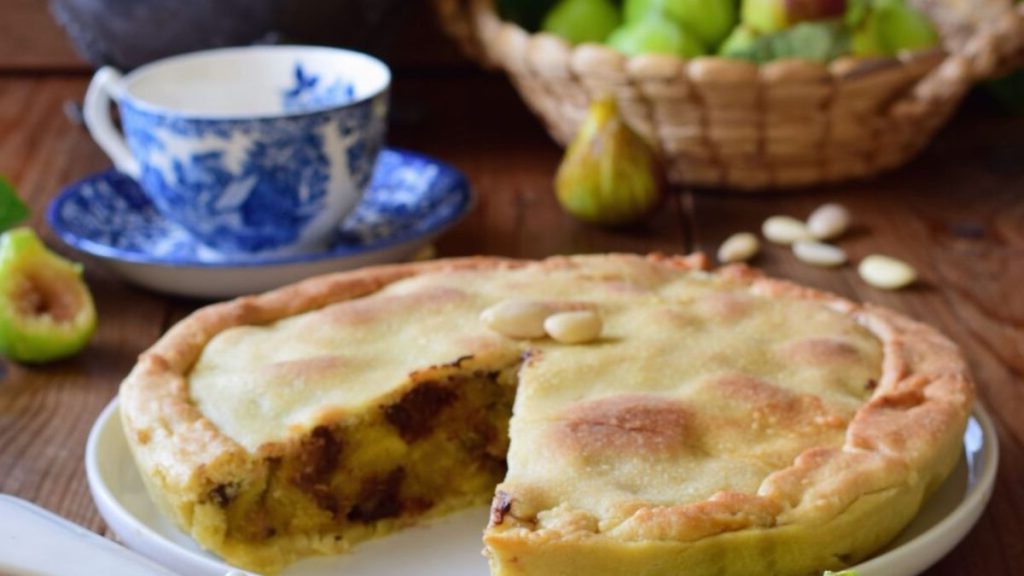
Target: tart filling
440, 445
722, 422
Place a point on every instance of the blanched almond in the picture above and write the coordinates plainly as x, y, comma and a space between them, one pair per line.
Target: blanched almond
886, 272
784, 230
576, 327
819, 253
514, 318
829, 221
739, 247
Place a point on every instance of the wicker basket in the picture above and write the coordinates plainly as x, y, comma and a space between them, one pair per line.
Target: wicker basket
730, 123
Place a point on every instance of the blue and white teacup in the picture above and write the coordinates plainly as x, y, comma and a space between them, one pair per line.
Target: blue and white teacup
255, 150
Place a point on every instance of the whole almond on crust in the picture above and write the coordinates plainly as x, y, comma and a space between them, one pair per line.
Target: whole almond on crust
519, 319
577, 327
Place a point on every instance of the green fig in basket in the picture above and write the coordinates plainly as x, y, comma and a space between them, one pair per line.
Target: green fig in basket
710, 21
610, 175
636, 10
745, 43
865, 36
767, 16
904, 28
582, 20
888, 27
655, 36
866, 39
46, 310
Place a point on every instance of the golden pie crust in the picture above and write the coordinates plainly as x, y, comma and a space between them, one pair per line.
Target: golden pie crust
725, 423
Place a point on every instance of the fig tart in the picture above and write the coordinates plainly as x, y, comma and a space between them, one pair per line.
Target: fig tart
722, 422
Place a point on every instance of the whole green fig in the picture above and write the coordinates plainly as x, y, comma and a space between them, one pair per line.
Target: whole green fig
582, 20
866, 39
610, 175
655, 36
904, 28
709, 20
636, 10
888, 27
745, 43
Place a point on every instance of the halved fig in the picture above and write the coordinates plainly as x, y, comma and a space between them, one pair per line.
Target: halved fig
46, 310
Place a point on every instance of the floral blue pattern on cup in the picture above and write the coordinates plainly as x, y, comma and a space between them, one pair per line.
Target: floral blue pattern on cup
311, 91
278, 181
258, 150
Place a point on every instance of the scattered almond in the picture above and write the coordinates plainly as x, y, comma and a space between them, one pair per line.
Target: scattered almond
738, 248
829, 221
819, 253
784, 230
886, 272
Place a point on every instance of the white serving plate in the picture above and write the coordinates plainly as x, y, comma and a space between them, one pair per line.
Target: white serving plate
451, 546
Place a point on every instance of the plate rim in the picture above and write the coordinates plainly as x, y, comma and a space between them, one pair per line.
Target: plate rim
467, 196
106, 503
959, 522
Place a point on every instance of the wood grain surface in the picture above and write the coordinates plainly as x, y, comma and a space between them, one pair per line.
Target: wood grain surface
31, 41
957, 214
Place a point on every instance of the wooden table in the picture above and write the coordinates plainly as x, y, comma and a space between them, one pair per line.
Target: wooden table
957, 214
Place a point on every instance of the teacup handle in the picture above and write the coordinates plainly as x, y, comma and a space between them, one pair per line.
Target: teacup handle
105, 84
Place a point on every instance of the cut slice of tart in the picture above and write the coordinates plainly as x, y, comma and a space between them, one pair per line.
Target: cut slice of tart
722, 423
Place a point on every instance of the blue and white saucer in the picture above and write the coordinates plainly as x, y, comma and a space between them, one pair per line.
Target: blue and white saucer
411, 199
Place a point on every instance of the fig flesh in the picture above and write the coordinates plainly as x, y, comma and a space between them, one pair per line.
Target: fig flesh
46, 310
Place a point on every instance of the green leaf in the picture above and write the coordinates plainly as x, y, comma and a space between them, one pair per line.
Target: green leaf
12, 209
818, 41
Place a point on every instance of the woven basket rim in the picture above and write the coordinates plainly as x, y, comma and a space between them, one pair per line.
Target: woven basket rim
734, 69
982, 56
843, 67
